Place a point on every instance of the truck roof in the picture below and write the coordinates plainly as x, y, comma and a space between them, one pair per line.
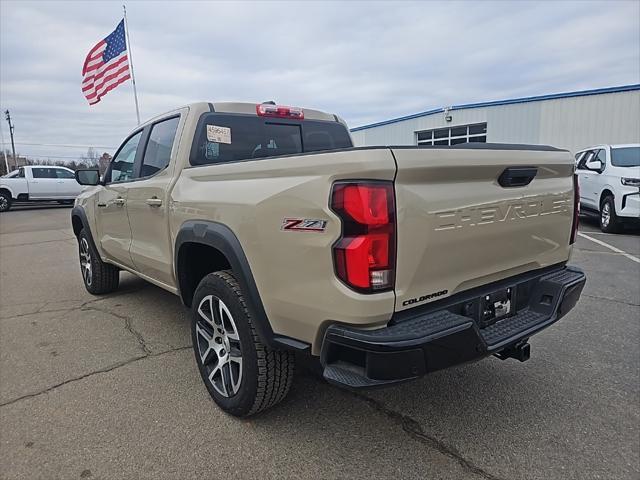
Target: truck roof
43, 166
248, 108
611, 145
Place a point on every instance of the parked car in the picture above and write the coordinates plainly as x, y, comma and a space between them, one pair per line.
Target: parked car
384, 263
609, 178
38, 183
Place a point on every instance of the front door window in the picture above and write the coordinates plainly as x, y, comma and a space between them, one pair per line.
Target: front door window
121, 169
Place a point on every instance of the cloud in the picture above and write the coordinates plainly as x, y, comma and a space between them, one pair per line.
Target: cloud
366, 61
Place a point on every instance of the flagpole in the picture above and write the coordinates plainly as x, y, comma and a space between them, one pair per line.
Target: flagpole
133, 77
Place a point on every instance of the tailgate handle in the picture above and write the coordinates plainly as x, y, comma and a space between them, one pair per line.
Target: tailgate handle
517, 176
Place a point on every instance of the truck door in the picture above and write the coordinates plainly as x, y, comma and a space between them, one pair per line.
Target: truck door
113, 229
42, 182
598, 180
67, 186
148, 203
587, 180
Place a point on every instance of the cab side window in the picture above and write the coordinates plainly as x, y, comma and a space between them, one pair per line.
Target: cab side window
44, 173
121, 168
158, 152
64, 174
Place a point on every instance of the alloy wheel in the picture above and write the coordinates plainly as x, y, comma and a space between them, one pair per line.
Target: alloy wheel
218, 346
85, 261
605, 214
4, 203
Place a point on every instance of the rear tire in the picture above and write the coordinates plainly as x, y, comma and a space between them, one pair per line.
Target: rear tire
608, 219
98, 277
5, 202
242, 375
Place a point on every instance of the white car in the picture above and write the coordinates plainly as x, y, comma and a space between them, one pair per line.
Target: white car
38, 183
609, 179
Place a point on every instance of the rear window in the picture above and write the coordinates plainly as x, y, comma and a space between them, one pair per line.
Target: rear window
625, 157
224, 138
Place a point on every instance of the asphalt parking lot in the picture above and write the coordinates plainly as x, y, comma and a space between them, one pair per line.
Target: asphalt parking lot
108, 388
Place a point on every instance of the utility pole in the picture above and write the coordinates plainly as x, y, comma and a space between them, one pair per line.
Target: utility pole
11, 127
4, 151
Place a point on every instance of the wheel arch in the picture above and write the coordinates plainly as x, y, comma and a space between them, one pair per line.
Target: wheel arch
79, 222
606, 192
4, 188
218, 240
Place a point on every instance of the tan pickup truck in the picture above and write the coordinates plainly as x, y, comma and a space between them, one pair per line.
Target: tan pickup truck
385, 263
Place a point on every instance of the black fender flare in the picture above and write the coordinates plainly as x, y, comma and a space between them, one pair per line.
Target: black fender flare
223, 239
80, 213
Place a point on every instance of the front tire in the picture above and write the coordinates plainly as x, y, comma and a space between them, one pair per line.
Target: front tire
242, 375
98, 277
608, 219
5, 202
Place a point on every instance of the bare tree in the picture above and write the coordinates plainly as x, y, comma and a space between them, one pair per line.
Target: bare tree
90, 159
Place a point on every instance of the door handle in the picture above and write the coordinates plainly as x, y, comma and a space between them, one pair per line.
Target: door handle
119, 201
102, 204
154, 201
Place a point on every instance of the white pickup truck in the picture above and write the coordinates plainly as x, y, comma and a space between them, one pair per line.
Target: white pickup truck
38, 183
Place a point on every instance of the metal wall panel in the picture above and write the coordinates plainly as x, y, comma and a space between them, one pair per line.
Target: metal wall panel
572, 123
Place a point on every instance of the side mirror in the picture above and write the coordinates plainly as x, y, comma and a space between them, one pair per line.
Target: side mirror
88, 176
595, 165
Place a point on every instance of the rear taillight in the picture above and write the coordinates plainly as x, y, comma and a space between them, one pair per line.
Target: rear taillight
364, 256
280, 111
576, 209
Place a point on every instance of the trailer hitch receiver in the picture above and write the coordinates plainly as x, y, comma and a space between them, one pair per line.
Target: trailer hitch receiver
520, 351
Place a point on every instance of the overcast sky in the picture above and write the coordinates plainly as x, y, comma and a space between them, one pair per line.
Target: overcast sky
367, 61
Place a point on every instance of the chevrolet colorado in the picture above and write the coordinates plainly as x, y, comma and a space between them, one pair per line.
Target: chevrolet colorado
385, 263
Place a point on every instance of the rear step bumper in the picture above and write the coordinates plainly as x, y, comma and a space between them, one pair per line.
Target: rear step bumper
420, 341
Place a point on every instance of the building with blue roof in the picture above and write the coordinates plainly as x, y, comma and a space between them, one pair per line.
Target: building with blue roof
571, 120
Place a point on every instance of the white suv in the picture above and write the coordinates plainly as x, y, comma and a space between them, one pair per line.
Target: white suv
609, 178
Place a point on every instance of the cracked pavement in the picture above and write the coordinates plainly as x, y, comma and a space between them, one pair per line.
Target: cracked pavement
106, 387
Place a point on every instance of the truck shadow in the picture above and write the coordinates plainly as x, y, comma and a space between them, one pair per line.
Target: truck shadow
490, 386
473, 414
593, 221
491, 395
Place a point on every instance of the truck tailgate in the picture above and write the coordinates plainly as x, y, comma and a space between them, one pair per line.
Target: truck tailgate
458, 228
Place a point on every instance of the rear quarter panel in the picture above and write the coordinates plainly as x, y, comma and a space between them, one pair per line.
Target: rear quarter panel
15, 186
292, 270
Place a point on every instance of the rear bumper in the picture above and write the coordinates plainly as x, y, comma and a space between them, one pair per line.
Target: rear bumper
447, 332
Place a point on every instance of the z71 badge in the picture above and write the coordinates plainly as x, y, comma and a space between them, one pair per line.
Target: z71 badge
303, 225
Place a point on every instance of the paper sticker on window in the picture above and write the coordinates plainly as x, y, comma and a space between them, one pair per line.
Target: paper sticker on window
218, 134
213, 151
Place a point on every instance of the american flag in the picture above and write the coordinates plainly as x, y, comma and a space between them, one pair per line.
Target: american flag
106, 66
